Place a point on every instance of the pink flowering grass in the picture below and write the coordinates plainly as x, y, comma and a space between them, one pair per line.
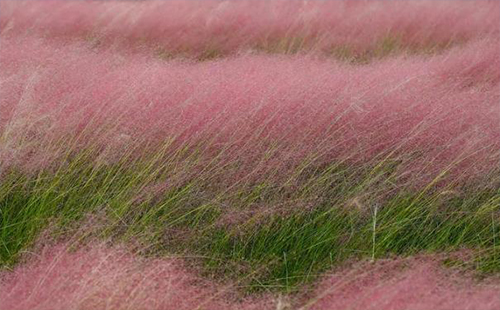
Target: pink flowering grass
99, 277
207, 29
403, 284
254, 114
268, 164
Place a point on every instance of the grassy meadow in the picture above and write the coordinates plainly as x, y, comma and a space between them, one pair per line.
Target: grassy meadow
249, 154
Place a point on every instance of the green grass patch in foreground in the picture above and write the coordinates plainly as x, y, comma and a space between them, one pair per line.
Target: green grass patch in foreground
266, 250
286, 252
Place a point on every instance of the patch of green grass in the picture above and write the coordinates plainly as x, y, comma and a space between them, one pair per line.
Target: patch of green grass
292, 231
296, 248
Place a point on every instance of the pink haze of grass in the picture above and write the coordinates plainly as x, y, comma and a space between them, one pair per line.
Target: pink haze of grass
99, 277
404, 284
225, 27
430, 113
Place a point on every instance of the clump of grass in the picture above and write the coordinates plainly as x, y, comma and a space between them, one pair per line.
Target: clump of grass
98, 276
401, 284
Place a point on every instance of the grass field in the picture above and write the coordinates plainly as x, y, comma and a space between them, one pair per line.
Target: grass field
249, 155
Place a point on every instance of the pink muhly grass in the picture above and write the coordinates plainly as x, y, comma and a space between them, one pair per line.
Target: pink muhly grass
403, 284
99, 277
259, 114
223, 27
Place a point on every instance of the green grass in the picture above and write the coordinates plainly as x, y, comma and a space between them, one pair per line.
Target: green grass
318, 218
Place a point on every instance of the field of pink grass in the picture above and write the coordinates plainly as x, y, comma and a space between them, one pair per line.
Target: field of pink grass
100, 277
415, 110
221, 98
211, 28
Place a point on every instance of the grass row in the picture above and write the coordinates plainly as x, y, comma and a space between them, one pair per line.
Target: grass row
383, 48
265, 235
